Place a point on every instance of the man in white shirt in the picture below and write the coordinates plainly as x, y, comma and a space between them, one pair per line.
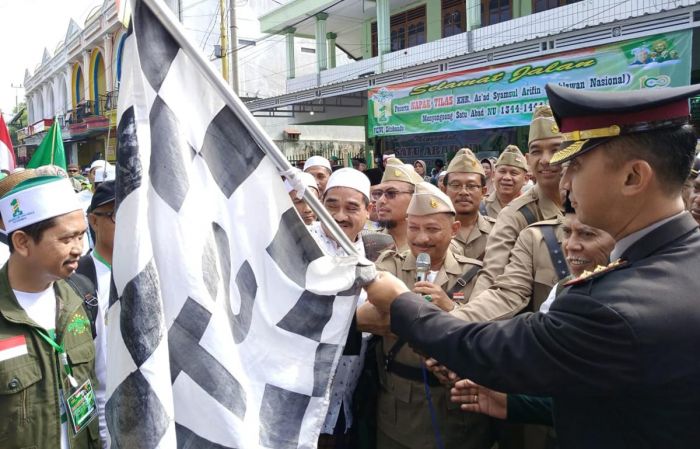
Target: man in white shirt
346, 197
97, 266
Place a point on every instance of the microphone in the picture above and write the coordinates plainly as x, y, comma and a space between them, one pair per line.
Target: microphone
422, 266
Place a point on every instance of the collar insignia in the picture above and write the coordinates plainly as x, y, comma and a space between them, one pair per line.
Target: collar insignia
597, 271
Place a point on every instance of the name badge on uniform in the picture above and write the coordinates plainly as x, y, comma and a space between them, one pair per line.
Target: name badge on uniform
82, 407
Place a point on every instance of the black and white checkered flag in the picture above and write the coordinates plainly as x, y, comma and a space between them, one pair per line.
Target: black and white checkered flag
225, 324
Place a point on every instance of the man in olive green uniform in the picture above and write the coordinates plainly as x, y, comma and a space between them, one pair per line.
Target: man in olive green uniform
509, 177
403, 411
46, 343
397, 186
542, 202
465, 185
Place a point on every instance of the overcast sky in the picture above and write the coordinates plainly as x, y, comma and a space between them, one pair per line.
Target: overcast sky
26, 28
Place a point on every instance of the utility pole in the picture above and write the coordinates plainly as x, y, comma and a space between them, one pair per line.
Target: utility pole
224, 43
234, 45
20, 86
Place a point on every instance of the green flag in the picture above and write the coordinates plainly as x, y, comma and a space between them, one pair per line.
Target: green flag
50, 151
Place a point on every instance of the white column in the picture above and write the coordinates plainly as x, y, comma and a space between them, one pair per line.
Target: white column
109, 63
86, 75
321, 45
30, 107
68, 79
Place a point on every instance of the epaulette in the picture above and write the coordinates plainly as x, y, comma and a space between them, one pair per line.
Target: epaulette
388, 254
464, 259
597, 272
552, 222
489, 219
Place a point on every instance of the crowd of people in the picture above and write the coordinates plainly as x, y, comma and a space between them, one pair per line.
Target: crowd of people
538, 300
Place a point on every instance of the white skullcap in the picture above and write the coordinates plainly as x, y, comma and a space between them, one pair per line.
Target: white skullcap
37, 199
349, 177
442, 173
317, 161
306, 178
388, 156
99, 163
108, 173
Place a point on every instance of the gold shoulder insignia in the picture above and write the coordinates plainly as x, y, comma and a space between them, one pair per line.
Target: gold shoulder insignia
597, 272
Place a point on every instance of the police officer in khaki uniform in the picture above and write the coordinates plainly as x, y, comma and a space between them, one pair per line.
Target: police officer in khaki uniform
397, 186
509, 177
403, 411
465, 185
542, 202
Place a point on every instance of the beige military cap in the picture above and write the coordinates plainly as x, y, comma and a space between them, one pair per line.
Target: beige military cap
396, 170
428, 199
465, 162
512, 156
543, 125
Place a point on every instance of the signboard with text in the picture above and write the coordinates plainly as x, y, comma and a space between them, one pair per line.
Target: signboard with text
506, 95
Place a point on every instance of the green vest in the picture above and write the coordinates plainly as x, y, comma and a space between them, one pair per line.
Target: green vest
29, 384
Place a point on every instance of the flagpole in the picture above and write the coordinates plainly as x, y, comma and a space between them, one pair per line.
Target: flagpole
166, 18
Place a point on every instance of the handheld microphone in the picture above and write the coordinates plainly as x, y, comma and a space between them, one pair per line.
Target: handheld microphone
422, 267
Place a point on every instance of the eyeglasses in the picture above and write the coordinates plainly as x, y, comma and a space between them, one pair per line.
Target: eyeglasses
390, 194
109, 215
457, 187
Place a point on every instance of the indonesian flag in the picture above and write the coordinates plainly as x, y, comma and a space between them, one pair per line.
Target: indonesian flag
12, 347
7, 153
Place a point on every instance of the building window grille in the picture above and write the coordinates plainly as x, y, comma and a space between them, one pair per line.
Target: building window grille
454, 17
495, 11
407, 29
544, 5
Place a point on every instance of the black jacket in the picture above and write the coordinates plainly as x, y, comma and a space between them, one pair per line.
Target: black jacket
618, 353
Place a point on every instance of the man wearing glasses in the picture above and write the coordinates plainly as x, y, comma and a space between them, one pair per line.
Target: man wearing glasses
466, 186
398, 184
97, 266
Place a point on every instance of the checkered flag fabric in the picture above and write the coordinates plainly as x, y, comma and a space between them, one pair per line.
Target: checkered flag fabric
225, 322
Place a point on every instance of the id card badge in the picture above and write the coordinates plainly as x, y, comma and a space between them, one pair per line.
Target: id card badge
82, 407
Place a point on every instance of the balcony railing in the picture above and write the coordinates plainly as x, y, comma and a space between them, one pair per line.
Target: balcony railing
93, 108
576, 16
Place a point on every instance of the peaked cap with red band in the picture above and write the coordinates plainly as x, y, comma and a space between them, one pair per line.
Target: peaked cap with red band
587, 119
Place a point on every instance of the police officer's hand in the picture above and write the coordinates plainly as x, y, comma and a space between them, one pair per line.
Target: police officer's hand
443, 374
370, 319
384, 289
476, 398
434, 294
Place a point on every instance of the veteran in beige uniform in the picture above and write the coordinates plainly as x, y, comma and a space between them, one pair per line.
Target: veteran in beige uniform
509, 177
403, 415
536, 264
542, 202
392, 198
465, 184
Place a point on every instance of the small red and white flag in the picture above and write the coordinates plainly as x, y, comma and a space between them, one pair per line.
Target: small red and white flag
7, 153
13, 347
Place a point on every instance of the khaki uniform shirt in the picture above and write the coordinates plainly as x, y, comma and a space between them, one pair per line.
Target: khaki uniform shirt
402, 410
493, 206
505, 232
525, 283
473, 244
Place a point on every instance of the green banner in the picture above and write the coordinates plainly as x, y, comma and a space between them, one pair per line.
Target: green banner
506, 95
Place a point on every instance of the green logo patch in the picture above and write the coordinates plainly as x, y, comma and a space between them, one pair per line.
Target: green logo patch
78, 325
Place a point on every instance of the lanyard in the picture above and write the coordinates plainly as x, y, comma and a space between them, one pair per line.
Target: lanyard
62, 356
101, 259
